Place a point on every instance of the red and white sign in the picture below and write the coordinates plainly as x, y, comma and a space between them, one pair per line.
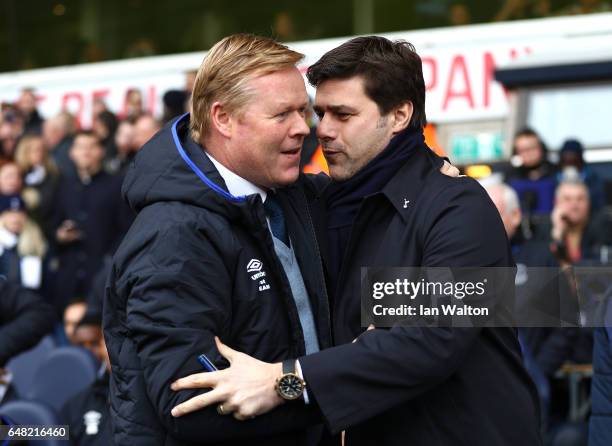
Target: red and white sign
458, 66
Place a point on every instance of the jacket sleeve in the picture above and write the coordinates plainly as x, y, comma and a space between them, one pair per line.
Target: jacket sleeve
384, 368
24, 319
178, 301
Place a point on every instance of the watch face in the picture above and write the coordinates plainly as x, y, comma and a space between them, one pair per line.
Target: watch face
291, 387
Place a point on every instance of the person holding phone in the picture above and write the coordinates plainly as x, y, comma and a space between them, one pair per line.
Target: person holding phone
89, 219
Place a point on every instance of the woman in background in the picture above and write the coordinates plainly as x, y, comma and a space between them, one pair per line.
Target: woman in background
41, 179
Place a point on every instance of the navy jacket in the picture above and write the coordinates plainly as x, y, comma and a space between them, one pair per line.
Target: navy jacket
196, 263
600, 428
422, 386
102, 218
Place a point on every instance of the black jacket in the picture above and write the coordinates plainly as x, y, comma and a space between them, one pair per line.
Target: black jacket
422, 386
101, 216
88, 417
191, 267
24, 319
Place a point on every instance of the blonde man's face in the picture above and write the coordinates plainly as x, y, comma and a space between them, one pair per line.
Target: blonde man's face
268, 132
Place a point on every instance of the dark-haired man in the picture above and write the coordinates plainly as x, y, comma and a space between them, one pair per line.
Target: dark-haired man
531, 174
390, 206
90, 219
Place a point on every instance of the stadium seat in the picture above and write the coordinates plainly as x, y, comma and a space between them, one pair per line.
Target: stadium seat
65, 372
24, 365
31, 412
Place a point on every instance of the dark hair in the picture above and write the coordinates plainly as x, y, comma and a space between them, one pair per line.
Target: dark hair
528, 131
88, 133
392, 72
109, 120
90, 318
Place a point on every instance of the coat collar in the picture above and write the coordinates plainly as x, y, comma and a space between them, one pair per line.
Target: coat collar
405, 187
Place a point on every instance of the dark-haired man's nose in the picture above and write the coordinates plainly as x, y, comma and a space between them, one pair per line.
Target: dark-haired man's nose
325, 130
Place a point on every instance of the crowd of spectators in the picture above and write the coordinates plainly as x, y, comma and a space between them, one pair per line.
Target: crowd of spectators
61, 218
556, 217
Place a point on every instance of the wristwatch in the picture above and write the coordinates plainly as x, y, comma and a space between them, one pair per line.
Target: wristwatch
289, 385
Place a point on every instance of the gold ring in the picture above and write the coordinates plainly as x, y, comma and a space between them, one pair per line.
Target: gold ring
220, 409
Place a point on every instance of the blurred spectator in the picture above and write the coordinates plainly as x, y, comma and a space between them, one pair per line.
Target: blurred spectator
523, 9
98, 106
572, 166
144, 128
90, 219
550, 346
58, 132
190, 77
22, 245
105, 126
11, 181
133, 104
88, 334
26, 104
459, 14
88, 413
24, 320
174, 104
41, 178
11, 128
141, 47
125, 149
574, 238
283, 27
541, 285
311, 142
586, 7
531, 174
73, 313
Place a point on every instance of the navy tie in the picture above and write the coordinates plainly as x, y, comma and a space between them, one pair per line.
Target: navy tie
277, 218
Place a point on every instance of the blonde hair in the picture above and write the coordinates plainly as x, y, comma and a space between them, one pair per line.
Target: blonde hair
31, 241
22, 154
226, 70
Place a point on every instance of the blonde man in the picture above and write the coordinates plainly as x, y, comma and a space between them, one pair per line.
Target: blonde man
205, 256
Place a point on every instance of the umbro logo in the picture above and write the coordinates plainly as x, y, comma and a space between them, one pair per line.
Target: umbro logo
254, 265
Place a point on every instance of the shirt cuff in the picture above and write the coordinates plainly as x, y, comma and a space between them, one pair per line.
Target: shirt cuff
298, 369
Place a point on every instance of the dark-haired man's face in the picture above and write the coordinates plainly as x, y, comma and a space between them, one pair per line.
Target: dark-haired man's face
529, 149
91, 338
87, 153
351, 129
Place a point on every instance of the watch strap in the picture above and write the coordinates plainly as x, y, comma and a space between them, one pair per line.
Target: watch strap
289, 366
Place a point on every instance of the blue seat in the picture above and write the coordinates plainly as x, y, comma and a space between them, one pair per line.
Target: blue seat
31, 412
65, 372
24, 365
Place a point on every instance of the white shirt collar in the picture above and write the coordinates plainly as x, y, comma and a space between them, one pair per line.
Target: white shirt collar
236, 185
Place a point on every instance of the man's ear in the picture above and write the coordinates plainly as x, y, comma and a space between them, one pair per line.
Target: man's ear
221, 119
401, 116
